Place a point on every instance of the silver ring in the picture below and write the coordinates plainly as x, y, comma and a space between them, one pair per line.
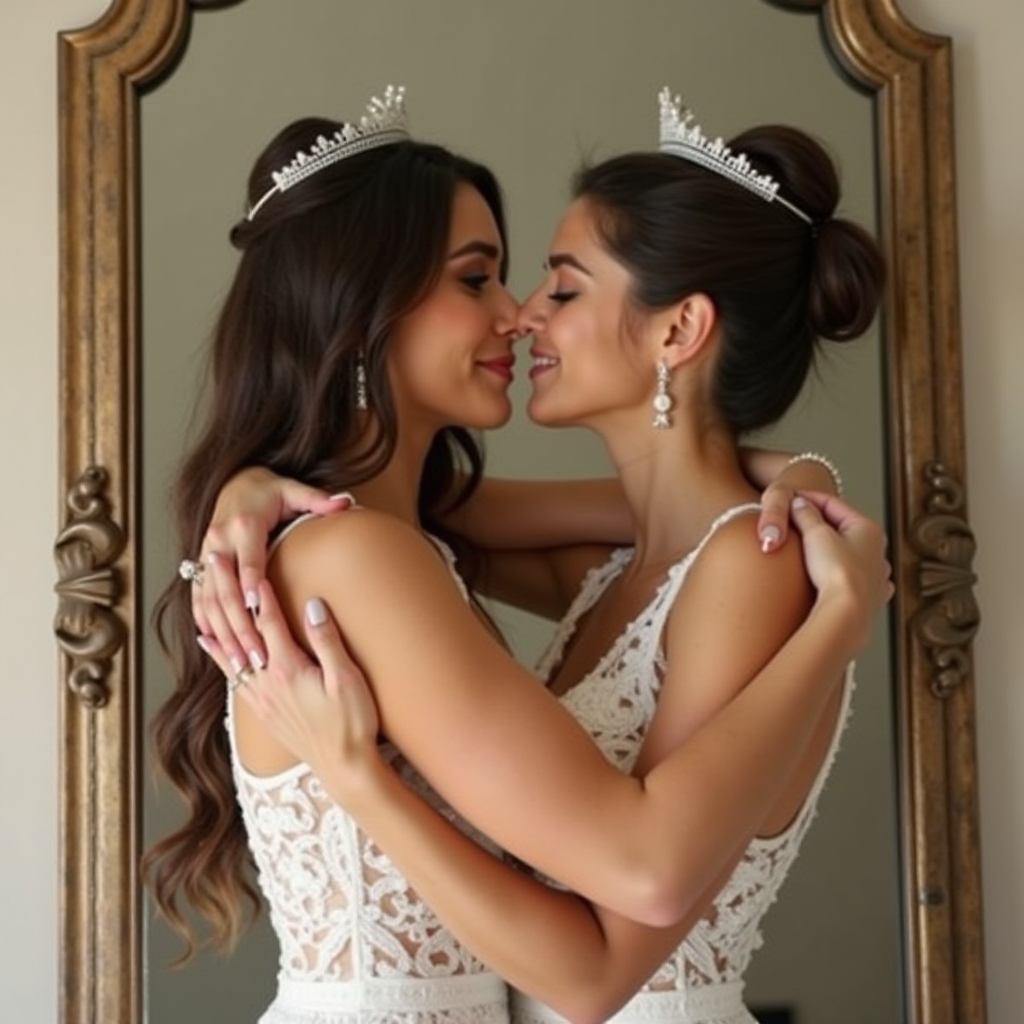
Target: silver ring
191, 571
240, 678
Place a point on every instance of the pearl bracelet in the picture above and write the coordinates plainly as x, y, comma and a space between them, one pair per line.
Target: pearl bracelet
822, 461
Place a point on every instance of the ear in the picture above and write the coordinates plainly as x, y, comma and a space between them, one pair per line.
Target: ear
689, 330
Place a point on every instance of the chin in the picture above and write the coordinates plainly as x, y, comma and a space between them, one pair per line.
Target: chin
492, 419
544, 415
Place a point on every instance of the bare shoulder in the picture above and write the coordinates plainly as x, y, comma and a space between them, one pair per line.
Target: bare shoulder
347, 535
733, 558
359, 551
733, 585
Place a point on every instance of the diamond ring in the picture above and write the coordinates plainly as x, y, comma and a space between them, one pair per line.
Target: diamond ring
240, 678
192, 571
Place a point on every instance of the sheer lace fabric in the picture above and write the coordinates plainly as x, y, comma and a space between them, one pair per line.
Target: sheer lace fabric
357, 942
702, 980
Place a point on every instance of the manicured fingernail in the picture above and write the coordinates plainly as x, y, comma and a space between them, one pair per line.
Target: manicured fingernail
316, 613
770, 537
204, 644
252, 600
256, 659
237, 665
343, 496
799, 502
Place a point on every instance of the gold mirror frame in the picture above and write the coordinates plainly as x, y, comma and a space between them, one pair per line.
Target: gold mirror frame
103, 69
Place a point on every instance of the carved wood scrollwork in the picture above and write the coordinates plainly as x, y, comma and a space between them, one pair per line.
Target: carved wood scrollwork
948, 618
88, 630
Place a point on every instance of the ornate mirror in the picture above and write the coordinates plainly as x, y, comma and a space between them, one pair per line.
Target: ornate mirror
143, 216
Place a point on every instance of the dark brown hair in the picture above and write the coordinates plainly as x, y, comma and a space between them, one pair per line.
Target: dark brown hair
328, 268
778, 283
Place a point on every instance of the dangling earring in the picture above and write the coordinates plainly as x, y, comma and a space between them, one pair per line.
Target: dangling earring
662, 399
361, 400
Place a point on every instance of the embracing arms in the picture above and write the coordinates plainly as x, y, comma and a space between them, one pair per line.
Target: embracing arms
538, 537
535, 772
583, 960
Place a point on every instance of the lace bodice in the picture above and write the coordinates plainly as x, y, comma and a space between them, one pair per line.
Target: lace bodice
357, 942
702, 980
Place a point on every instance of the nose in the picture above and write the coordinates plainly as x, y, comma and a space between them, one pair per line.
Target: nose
506, 321
531, 313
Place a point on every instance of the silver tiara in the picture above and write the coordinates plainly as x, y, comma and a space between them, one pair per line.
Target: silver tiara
383, 123
682, 137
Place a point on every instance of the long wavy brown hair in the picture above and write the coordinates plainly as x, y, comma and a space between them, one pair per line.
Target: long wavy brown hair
327, 270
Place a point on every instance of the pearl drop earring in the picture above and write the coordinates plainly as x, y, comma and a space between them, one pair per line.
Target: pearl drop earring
662, 399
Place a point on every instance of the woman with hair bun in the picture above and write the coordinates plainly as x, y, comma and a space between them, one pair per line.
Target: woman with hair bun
660, 782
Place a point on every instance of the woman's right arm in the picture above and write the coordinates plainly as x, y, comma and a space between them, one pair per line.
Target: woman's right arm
538, 538
516, 515
580, 959
450, 697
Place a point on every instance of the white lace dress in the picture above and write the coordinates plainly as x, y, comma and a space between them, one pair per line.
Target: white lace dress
702, 982
358, 945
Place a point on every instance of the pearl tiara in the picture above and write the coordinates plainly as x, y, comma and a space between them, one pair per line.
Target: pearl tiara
383, 124
682, 137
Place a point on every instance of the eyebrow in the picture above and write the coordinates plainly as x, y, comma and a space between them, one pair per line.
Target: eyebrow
484, 248
565, 259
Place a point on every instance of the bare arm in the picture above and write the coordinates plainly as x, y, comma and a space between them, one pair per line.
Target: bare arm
539, 515
538, 537
536, 515
582, 960
536, 772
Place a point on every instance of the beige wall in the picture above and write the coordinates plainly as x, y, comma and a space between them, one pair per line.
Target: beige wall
991, 151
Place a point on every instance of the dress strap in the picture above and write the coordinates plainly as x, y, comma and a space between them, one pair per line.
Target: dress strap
595, 582
446, 552
677, 573
449, 560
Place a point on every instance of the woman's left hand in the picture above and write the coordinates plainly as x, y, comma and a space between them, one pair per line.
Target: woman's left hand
321, 707
782, 476
234, 555
845, 555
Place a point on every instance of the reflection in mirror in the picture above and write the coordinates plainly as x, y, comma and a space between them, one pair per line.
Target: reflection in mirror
553, 84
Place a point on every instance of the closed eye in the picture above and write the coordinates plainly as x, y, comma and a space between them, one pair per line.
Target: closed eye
477, 282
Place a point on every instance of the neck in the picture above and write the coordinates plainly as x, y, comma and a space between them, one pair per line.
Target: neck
677, 481
395, 489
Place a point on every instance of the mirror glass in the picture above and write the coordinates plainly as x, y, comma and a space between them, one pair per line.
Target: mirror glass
531, 88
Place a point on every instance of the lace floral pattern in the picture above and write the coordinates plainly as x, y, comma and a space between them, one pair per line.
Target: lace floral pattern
357, 942
616, 703
338, 905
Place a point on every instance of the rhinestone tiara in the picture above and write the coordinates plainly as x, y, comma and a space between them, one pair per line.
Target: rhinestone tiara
682, 136
383, 124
